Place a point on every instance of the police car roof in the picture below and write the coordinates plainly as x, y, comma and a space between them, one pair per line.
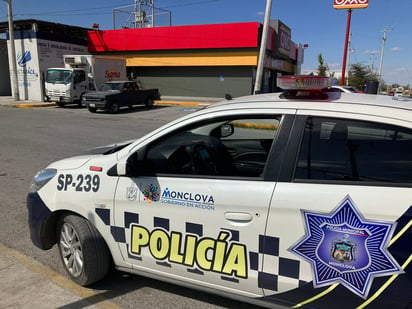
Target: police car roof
368, 104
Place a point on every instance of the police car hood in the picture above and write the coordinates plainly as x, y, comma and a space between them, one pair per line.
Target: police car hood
71, 163
109, 149
97, 152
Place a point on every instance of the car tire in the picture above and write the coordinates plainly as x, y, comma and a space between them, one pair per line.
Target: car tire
82, 249
92, 109
149, 102
79, 102
114, 108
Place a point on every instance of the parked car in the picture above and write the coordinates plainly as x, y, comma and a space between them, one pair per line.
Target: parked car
283, 200
116, 94
347, 89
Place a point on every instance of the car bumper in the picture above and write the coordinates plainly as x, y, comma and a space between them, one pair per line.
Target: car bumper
96, 104
38, 214
60, 99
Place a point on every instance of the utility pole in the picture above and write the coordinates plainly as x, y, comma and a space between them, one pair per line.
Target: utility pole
348, 64
141, 12
15, 83
381, 61
345, 49
262, 53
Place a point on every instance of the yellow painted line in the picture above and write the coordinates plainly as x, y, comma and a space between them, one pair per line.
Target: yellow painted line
180, 103
56, 278
393, 277
327, 291
159, 102
383, 287
33, 105
401, 232
372, 298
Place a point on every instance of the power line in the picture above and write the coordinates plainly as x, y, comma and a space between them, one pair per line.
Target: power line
190, 3
73, 12
61, 14
67, 12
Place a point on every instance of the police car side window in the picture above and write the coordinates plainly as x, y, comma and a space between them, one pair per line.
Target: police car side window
335, 149
235, 147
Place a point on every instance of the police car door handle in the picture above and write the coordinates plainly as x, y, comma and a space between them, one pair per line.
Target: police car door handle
239, 217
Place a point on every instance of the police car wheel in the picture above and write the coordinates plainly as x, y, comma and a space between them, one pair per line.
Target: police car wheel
82, 249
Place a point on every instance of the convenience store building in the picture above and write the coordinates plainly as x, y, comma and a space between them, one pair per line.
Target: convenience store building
202, 60
194, 61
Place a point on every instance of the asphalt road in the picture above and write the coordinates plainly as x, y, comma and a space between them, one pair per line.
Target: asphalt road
30, 139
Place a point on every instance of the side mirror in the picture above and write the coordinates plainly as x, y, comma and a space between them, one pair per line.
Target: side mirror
226, 130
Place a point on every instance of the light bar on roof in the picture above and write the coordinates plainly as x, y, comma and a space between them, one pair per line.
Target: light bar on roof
303, 82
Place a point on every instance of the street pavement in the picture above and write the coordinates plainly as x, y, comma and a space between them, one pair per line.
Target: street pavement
26, 283
166, 100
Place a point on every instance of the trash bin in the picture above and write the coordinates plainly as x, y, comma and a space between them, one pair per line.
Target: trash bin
372, 87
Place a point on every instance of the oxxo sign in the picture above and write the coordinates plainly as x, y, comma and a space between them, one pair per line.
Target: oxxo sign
350, 4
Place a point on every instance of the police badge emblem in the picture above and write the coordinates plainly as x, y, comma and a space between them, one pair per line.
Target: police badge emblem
343, 247
343, 250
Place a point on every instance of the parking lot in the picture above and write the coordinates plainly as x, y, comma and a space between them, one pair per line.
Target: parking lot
31, 139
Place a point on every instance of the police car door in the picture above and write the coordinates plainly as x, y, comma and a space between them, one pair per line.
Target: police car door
197, 206
345, 184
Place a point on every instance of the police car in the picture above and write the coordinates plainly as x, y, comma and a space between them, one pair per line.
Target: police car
294, 199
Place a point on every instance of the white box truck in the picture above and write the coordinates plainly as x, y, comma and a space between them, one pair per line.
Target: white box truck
81, 73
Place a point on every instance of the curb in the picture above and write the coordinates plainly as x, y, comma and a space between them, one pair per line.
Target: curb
33, 105
30, 284
9, 101
182, 103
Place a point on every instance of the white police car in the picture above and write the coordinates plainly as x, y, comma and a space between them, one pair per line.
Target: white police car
293, 199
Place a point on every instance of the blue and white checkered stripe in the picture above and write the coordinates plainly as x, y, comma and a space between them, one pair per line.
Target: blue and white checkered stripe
280, 274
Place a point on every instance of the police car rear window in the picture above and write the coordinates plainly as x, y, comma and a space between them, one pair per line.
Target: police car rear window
348, 150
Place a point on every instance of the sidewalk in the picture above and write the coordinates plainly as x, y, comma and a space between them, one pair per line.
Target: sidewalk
25, 283
166, 100
9, 101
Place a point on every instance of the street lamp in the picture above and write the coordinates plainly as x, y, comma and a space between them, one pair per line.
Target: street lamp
13, 52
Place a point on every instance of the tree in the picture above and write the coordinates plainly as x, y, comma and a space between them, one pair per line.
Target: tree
323, 67
360, 74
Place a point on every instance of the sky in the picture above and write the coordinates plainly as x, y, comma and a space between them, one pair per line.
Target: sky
312, 22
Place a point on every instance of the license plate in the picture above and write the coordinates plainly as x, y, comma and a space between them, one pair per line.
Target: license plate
92, 105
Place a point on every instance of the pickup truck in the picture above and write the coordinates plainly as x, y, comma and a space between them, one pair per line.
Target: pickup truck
113, 95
